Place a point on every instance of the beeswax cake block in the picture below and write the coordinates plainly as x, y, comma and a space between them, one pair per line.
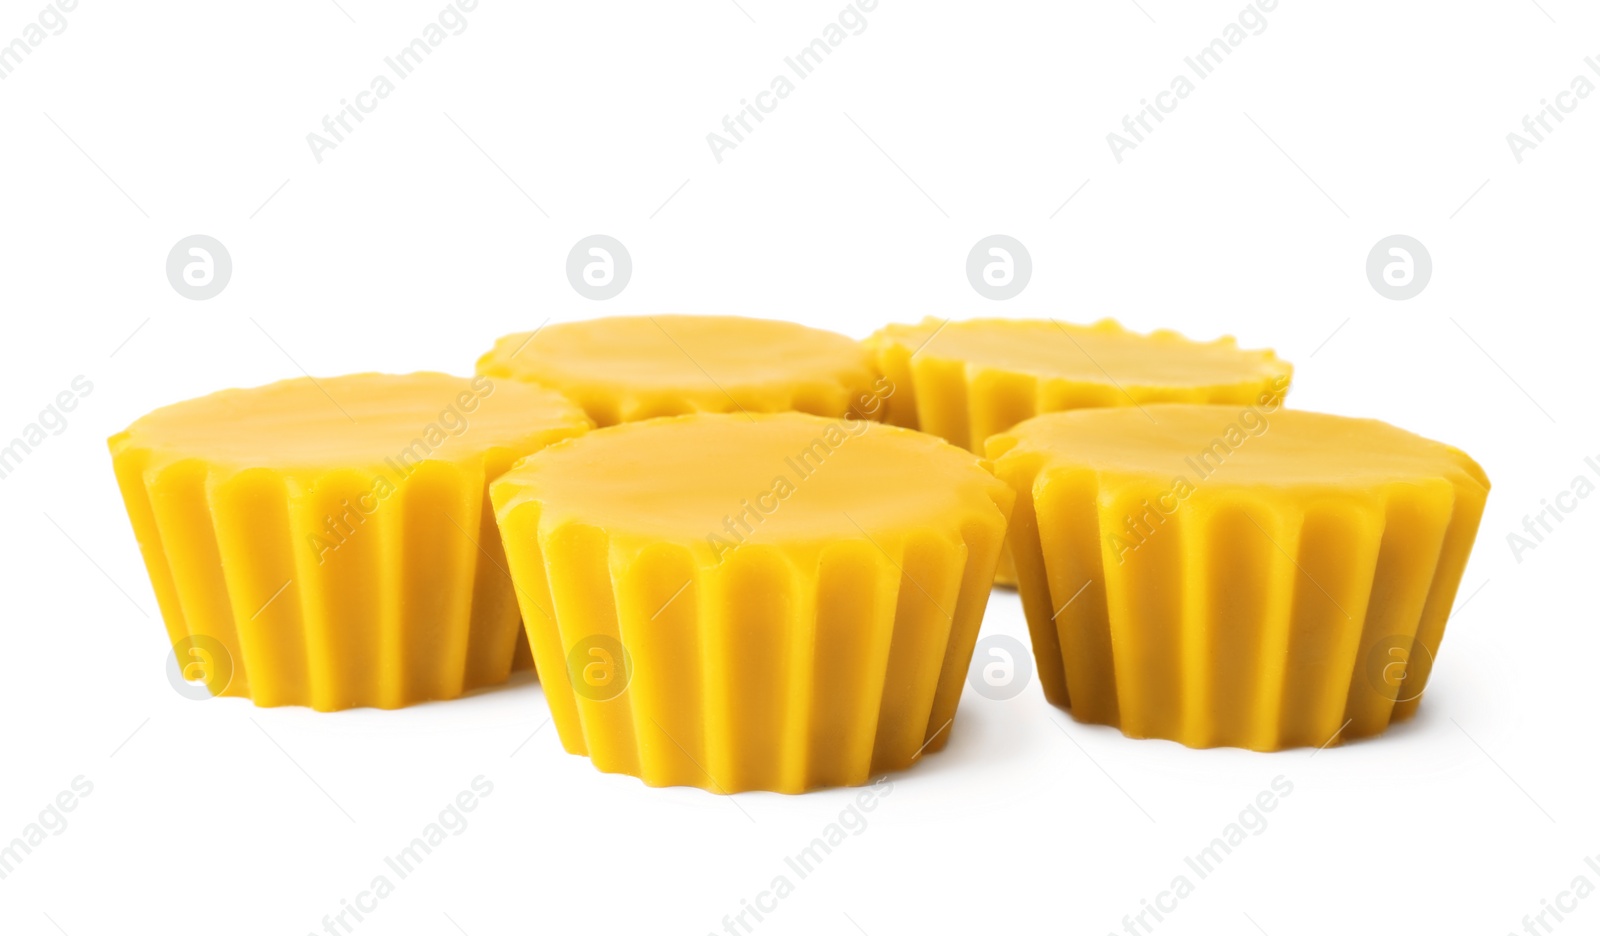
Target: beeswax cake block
329, 542
752, 602
968, 380
1236, 576
626, 368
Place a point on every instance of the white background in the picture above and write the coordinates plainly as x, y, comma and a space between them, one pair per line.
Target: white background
409, 247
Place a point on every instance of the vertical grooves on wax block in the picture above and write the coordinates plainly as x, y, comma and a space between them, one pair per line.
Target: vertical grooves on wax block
438, 516
982, 539
747, 699
998, 400
635, 409
1262, 729
130, 465
385, 589
1466, 512
900, 409
1023, 543
923, 619
578, 558
941, 388
855, 603
497, 643
1080, 634
181, 506
1147, 614
258, 560
1415, 521
1338, 552
1249, 580
1057, 394
522, 657
341, 599
522, 531
799, 633
658, 614
601, 408
823, 399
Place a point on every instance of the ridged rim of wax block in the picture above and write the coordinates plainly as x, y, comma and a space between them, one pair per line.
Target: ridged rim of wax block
1253, 617
868, 641
965, 402
332, 616
611, 393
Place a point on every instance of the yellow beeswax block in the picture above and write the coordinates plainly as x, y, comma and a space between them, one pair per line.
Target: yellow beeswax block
1236, 576
752, 602
329, 542
628, 368
968, 380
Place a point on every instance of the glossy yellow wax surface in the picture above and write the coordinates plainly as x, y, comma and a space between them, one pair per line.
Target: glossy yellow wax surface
1298, 451
794, 599
629, 368
328, 542
355, 421
1243, 576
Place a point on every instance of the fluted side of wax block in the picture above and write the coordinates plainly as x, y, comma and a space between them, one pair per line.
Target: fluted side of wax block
1259, 619
775, 668
317, 600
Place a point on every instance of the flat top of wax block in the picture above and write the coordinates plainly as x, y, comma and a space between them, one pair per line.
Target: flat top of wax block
1101, 353
810, 478
1234, 446
704, 354
357, 420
